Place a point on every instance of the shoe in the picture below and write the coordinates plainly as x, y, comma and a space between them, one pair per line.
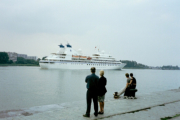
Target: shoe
125, 97
96, 114
132, 97
100, 112
86, 115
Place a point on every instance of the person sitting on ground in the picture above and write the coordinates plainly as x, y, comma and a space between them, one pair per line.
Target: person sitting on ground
127, 91
101, 91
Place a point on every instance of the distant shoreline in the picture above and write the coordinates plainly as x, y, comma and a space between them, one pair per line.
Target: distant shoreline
6, 65
1, 65
39, 66
149, 68
134, 68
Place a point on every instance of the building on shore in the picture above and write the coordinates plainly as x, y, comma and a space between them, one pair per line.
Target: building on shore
23, 56
32, 57
12, 56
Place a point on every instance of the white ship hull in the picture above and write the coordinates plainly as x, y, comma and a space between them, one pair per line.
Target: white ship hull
79, 66
68, 58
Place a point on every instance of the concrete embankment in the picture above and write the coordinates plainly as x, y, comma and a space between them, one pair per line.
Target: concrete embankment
146, 107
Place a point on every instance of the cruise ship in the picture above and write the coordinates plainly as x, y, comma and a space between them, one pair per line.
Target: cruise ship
68, 58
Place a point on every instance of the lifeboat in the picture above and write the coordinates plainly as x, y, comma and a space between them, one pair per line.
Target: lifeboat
83, 57
89, 58
75, 57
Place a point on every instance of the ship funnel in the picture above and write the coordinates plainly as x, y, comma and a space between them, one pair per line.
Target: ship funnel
61, 46
68, 46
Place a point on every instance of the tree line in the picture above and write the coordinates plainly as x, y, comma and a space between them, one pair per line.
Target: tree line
4, 59
169, 67
133, 64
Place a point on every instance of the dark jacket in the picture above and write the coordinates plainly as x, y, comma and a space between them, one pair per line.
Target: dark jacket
92, 82
101, 86
133, 81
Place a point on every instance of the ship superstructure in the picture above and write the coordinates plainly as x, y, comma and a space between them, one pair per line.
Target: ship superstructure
68, 58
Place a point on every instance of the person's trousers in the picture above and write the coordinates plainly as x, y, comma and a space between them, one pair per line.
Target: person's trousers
122, 91
133, 93
89, 96
127, 92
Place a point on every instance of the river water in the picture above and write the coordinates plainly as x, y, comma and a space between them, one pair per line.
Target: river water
24, 87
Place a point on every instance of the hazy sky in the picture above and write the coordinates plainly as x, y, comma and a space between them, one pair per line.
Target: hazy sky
146, 31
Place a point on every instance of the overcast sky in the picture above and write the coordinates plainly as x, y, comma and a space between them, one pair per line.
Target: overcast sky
146, 31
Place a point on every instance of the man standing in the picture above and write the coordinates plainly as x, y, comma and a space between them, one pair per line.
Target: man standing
92, 81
